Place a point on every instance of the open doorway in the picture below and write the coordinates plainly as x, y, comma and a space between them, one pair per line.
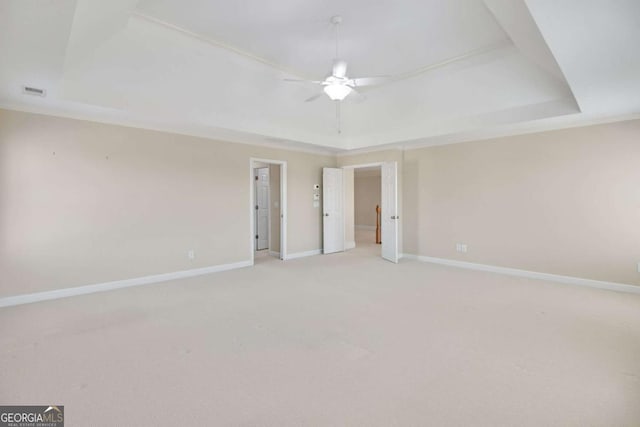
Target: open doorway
367, 190
363, 189
267, 209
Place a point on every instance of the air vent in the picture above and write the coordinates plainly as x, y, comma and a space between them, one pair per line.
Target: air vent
33, 91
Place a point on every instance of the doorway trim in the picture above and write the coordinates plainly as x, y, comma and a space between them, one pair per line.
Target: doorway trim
283, 206
363, 165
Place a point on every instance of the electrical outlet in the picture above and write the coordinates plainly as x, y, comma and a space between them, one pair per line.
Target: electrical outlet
461, 247
191, 254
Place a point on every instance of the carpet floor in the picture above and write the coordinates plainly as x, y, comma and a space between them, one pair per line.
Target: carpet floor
336, 340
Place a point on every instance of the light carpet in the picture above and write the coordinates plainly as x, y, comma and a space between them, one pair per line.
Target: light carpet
336, 340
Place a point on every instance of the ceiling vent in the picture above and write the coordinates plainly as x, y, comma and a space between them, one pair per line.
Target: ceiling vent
33, 91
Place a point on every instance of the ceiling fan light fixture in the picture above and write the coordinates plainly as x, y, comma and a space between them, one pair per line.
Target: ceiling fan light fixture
337, 91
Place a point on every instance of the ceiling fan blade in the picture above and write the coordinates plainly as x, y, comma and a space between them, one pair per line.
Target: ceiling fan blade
370, 81
359, 96
314, 97
303, 81
339, 68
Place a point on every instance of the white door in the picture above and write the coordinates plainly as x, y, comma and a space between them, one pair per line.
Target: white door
389, 212
262, 208
332, 210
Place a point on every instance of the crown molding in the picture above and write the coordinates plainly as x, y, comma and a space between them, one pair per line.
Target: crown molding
524, 128
227, 135
224, 135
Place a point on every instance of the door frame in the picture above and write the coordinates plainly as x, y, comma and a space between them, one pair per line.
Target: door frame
283, 206
368, 165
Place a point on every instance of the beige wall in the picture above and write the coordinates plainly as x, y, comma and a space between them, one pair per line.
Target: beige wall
83, 202
274, 200
367, 197
564, 202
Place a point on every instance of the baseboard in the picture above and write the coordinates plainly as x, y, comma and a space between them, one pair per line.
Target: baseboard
117, 284
349, 245
275, 254
612, 286
365, 227
304, 254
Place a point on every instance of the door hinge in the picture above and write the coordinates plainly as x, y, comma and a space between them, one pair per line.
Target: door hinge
256, 207
256, 237
256, 177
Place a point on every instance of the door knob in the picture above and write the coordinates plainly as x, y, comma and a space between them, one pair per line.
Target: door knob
326, 214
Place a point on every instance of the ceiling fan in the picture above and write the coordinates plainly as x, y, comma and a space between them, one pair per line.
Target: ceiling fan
337, 86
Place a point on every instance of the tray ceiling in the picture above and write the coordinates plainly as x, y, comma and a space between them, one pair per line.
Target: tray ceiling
216, 68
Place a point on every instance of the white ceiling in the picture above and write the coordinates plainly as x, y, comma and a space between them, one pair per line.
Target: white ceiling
215, 68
